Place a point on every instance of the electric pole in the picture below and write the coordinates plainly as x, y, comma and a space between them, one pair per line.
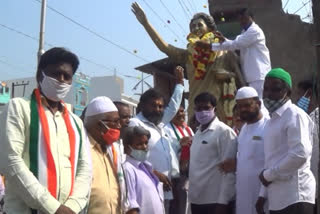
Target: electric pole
42, 28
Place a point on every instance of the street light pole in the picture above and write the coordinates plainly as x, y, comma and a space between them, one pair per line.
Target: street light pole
42, 28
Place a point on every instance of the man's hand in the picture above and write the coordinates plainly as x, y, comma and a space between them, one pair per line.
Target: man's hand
178, 73
164, 179
229, 165
139, 13
64, 210
186, 141
263, 180
221, 209
203, 45
260, 204
220, 36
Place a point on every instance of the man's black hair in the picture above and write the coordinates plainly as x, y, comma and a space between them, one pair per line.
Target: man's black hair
204, 98
246, 12
57, 55
120, 104
305, 84
308, 85
206, 18
83, 114
149, 95
131, 132
234, 108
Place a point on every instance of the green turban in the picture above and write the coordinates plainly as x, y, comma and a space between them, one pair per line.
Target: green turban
279, 73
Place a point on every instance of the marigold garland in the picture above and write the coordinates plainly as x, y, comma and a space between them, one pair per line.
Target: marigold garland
200, 58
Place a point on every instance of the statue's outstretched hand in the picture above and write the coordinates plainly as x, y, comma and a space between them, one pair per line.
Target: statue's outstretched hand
139, 13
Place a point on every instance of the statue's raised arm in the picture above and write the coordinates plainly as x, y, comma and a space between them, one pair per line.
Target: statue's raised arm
170, 50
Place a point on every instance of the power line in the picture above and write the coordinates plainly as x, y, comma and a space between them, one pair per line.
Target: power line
191, 6
50, 45
304, 4
159, 17
184, 11
308, 11
95, 33
15, 67
286, 4
172, 16
195, 6
186, 7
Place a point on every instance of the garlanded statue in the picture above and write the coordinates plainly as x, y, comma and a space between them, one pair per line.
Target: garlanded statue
217, 72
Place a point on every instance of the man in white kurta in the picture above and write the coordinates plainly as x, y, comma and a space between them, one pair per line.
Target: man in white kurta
287, 177
250, 159
210, 190
254, 54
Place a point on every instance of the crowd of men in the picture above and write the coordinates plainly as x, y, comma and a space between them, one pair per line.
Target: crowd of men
154, 163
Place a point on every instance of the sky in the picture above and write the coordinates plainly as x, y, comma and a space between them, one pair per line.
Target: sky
124, 46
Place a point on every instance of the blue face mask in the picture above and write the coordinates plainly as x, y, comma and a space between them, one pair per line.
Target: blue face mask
140, 155
304, 103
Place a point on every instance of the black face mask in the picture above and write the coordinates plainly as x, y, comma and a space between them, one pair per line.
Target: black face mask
153, 117
248, 116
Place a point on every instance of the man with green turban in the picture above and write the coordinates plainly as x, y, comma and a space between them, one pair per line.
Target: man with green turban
287, 180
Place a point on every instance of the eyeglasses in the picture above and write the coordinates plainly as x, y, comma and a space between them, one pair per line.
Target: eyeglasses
113, 122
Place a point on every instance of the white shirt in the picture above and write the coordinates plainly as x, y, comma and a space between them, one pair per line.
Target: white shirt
315, 144
250, 163
288, 148
254, 54
159, 145
210, 147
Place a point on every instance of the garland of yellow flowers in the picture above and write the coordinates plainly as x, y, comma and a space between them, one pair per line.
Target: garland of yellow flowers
201, 58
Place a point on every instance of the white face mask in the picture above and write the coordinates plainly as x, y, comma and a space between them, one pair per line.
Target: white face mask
53, 89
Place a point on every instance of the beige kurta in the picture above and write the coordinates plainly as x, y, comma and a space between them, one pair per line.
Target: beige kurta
105, 191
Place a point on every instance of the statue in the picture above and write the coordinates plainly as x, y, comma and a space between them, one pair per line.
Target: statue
214, 72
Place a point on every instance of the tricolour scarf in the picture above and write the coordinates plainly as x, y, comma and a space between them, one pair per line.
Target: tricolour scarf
42, 163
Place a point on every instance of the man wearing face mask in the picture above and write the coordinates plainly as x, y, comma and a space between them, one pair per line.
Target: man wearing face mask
145, 192
153, 117
287, 177
210, 190
102, 123
43, 153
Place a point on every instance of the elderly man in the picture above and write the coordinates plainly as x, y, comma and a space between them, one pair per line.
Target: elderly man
145, 192
250, 159
102, 123
153, 117
124, 113
287, 177
210, 190
43, 153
